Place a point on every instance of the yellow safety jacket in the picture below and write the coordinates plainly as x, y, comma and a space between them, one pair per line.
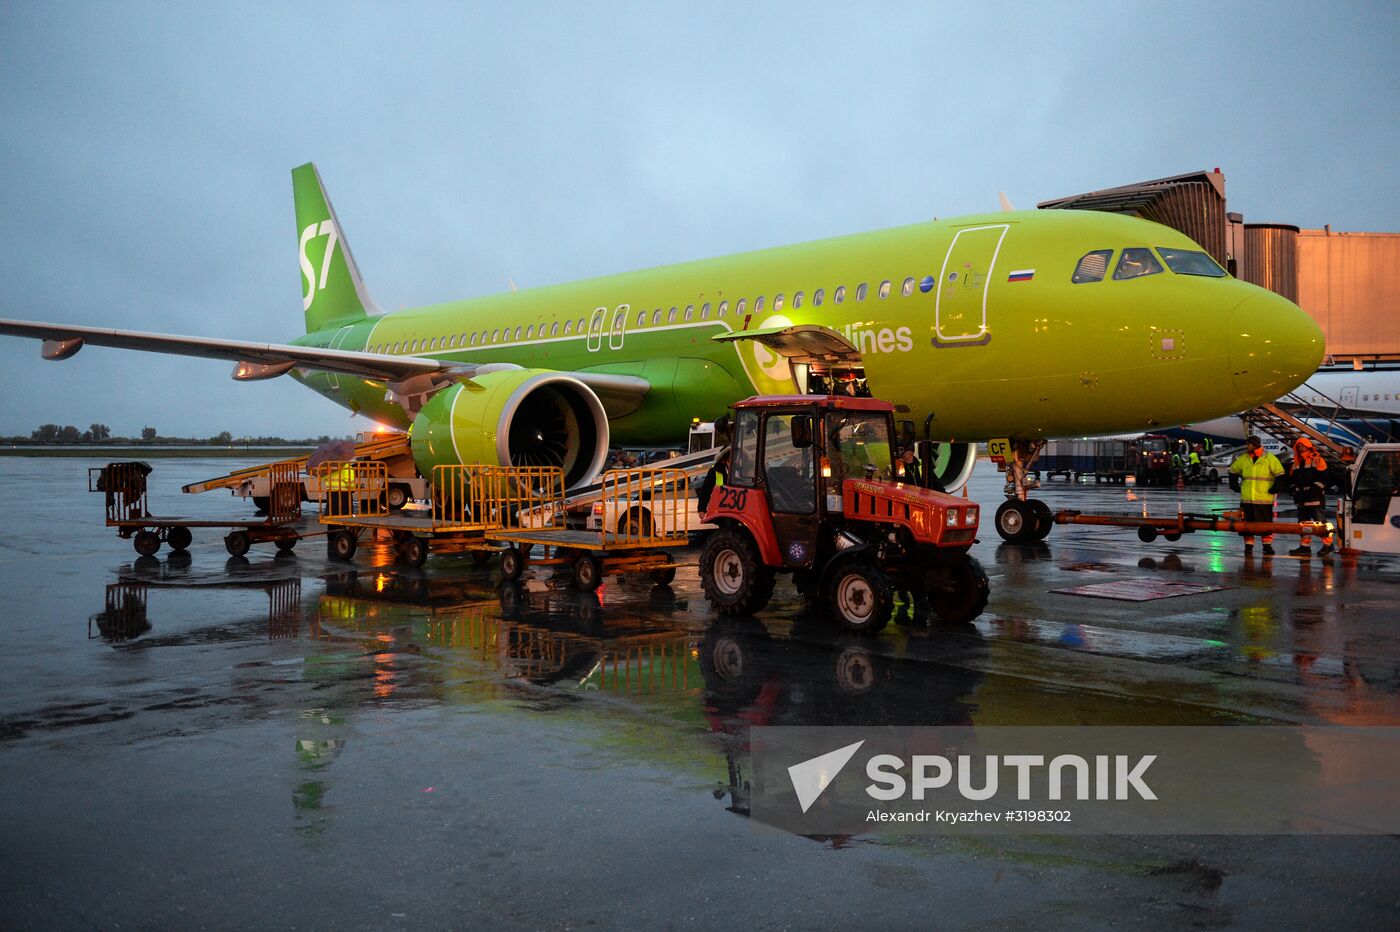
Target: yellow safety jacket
1256, 477
342, 480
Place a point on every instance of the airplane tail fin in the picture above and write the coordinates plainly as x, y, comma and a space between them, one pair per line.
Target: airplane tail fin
332, 290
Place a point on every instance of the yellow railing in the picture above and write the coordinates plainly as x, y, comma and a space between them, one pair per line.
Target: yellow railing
124, 487
284, 491
523, 496
461, 494
351, 489
649, 505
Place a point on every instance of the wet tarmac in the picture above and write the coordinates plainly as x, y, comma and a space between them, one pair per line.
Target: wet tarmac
290, 742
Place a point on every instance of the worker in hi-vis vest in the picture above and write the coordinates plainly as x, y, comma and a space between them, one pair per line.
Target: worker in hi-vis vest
1257, 469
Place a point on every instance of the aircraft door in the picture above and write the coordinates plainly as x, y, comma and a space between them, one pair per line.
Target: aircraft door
595, 329
1349, 396
339, 338
960, 313
619, 327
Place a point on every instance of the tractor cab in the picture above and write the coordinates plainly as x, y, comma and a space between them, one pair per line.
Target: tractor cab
813, 486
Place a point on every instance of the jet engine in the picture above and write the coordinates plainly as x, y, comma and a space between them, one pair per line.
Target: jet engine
514, 417
952, 464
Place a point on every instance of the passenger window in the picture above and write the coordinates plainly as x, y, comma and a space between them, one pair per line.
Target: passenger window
1135, 263
671, 316
1190, 262
689, 311
817, 297
568, 326
884, 289
860, 292
705, 312
908, 288
739, 308
495, 335
745, 453
579, 327
778, 303
473, 339
723, 309
797, 301
758, 305
1092, 267
641, 318
517, 333
554, 329
839, 295
530, 332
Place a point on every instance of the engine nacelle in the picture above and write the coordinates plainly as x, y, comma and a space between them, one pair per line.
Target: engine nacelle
515, 417
952, 463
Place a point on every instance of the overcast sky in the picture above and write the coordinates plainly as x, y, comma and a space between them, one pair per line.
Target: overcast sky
146, 150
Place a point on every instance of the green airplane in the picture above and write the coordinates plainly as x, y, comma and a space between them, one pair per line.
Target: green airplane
1015, 325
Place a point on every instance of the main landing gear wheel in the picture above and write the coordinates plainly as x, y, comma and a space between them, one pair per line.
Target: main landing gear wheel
966, 595
414, 551
588, 572
860, 597
237, 543
146, 543
179, 538
341, 546
512, 563
1017, 521
1045, 519
733, 575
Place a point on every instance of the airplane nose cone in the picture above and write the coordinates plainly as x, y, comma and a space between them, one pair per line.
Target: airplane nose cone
1273, 346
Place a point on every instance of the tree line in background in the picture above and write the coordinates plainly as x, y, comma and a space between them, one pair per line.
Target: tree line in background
101, 433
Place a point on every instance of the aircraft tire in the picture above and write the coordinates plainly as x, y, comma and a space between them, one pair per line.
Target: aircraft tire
1016, 521
1044, 519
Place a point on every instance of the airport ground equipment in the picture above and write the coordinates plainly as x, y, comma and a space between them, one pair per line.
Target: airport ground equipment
391, 449
812, 491
123, 486
1172, 527
353, 501
1370, 509
532, 514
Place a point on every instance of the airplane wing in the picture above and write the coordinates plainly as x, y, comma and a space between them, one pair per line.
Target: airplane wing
255, 361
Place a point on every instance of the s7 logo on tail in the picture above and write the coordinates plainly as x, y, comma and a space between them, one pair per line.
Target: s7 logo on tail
326, 228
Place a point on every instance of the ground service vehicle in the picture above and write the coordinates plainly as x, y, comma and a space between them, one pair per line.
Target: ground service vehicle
812, 490
1371, 511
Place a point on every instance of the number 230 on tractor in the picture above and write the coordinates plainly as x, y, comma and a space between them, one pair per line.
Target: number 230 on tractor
812, 490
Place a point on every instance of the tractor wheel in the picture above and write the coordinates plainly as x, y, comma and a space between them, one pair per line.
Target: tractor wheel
1044, 517
146, 543
414, 551
179, 538
860, 596
512, 563
588, 572
341, 545
1016, 521
237, 543
966, 595
733, 575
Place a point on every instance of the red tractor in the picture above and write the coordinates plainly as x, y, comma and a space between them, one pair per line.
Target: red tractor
812, 490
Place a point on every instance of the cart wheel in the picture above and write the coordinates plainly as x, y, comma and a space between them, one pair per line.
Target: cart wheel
511, 596
237, 543
1147, 534
512, 563
179, 538
285, 544
588, 572
340, 545
414, 551
860, 596
482, 557
1172, 536
396, 497
146, 543
665, 576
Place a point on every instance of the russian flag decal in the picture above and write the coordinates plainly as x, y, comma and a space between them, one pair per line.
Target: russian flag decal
1023, 275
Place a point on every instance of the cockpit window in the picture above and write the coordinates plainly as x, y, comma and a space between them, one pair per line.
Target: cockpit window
1092, 267
1135, 263
1190, 262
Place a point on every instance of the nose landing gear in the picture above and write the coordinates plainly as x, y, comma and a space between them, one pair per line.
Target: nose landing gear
1020, 519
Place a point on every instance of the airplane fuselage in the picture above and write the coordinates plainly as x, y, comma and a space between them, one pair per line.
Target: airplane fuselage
970, 326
